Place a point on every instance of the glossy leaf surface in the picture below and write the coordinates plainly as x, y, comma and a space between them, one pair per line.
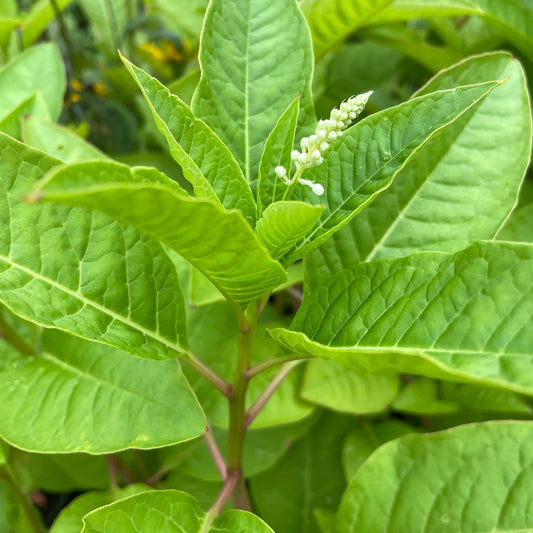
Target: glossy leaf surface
219, 243
81, 271
472, 479
255, 59
464, 316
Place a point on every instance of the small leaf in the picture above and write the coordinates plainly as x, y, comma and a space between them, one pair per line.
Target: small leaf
285, 223
96, 398
463, 317
255, 59
347, 390
277, 152
205, 160
168, 511
58, 141
219, 243
365, 160
472, 478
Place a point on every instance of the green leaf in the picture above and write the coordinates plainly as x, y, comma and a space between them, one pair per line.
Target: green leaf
41, 14
463, 317
365, 438
185, 86
183, 17
325, 519
98, 399
81, 271
277, 152
8, 8
108, 21
205, 160
512, 19
168, 511
13, 519
70, 519
58, 141
63, 472
310, 475
33, 105
331, 21
219, 243
460, 187
365, 160
421, 397
7, 26
336, 387
472, 478
246, 48
285, 223
519, 226
39, 69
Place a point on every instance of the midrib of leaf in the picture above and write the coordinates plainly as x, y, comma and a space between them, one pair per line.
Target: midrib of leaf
309, 238
424, 354
246, 96
88, 303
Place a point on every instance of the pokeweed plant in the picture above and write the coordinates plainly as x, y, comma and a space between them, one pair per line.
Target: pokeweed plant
396, 217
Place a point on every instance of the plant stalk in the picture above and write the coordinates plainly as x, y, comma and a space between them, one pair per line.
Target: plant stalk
290, 188
27, 506
272, 362
11, 336
215, 453
197, 364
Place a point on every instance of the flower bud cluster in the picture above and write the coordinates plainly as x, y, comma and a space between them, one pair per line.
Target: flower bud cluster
328, 130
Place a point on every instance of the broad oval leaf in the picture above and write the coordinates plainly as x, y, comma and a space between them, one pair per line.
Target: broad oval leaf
464, 317
96, 399
38, 70
206, 161
364, 161
168, 511
474, 478
247, 47
81, 271
219, 243
331, 21
460, 187
285, 223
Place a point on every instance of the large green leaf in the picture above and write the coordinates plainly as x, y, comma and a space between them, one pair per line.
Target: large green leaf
33, 105
221, 244
58, 141
247, 47
365, 160
285, 223
474, 478
465, 316
331, 21
205, 160
347, 390
512, 18
460, 187
81, 271
97, 399
13, 519
168, 511
38, 70
309, 476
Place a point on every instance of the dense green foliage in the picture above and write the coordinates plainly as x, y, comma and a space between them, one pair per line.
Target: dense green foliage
220, 313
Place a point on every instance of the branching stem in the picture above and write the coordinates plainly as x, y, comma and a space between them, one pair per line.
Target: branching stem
221, 384
11, 336
214, 450
290, 188
272, 362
